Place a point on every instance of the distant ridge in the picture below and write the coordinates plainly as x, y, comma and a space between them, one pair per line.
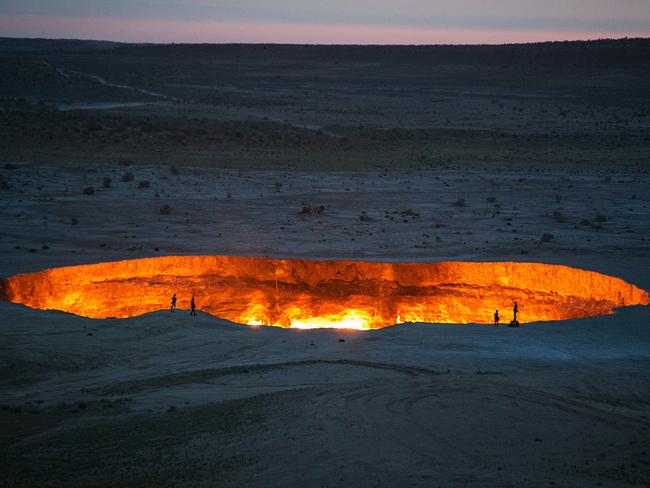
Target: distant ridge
628, 53
37, 43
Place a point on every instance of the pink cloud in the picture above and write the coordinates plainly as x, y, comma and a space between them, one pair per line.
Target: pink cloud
138, 30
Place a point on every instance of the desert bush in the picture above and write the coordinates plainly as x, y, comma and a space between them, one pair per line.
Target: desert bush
165, 210
409, 212
459, 203
174, 170
126, 177
107, 182
491, 199
88, 190
600, 218
144, 184
364, 217
307, 210
546, 237
278, 186
559, 217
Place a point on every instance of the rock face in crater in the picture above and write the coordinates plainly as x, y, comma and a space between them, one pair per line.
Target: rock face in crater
306, 293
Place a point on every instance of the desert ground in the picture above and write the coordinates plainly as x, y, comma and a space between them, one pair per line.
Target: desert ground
535, 154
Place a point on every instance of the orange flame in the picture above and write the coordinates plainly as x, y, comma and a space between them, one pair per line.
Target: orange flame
314, 294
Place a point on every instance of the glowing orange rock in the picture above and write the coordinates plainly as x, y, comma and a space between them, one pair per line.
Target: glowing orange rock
308, 294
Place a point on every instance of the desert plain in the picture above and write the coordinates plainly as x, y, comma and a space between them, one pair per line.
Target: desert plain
536, 153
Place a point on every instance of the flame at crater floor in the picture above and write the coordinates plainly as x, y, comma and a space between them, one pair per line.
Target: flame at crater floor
322, 294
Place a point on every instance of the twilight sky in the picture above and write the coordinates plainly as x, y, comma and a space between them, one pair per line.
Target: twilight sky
326, 21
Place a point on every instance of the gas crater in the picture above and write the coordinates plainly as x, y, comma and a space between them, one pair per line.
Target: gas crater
301, 293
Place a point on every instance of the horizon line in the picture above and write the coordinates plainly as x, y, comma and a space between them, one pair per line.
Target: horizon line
318, 44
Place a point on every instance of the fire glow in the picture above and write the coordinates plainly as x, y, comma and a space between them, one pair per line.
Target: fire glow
310, 294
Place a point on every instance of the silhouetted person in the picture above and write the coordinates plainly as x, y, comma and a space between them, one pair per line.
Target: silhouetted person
496, 318
515, 309
193, 307
173, 302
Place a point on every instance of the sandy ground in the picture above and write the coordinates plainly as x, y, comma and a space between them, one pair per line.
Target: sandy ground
596, 221
168, 400
165, 399
469, 153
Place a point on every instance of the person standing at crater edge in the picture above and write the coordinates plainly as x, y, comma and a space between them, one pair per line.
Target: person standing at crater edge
193, 307
173, 303
496, 318
515, 309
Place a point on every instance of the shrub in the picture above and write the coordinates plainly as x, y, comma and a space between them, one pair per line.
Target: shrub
559, 217
174, 170
459, 203
88, 190
126, 177
107, 182
144, 184
364, 217
600, 218
409, 212
546, 237
165, 210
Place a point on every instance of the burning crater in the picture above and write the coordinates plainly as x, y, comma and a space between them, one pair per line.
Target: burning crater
311, 294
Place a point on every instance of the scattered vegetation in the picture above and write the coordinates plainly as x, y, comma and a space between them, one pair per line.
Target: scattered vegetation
126, 177
560, 217
144, 184
307, 210
459, 203
546, 237
165, 210
107, 182
88, 190
364, 217
409, 212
